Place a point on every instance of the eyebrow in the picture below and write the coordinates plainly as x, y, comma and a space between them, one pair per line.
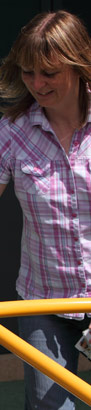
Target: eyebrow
44, 70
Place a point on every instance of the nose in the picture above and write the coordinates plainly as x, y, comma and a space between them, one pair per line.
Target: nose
39, 81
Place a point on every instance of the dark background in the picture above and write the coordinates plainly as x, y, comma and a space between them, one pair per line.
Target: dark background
13, 15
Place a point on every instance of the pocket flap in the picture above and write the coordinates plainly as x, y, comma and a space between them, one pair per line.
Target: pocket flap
36, 168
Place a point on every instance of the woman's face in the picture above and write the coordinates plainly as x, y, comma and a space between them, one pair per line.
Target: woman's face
52, 87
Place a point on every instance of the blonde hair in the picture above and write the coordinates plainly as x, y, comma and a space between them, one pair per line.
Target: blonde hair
47, 38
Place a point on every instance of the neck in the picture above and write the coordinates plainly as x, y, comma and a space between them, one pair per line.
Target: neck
70, 117
64, 121
68, 112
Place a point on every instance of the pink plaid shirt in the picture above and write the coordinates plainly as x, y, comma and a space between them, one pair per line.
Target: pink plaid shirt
54, 191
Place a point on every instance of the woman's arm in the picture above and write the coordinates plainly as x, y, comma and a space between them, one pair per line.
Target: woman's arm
2, 188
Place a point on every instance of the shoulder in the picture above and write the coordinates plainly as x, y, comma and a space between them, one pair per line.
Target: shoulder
5, 136
5, 122
28, 116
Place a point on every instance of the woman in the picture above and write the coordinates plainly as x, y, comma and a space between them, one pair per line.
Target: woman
45, 145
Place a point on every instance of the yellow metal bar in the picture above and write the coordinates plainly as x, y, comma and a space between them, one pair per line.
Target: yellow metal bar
45, 306
46, 365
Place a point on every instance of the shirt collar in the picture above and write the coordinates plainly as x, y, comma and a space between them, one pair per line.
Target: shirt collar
38, 117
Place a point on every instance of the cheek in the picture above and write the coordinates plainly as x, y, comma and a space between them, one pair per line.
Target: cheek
25, 79
27, 83
59, 83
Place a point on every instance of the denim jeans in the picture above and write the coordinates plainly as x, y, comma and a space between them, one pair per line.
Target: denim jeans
56, 338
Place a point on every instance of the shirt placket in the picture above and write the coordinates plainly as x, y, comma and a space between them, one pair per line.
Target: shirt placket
75, 217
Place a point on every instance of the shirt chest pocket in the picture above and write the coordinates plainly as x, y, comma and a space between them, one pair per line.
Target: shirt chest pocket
35, 177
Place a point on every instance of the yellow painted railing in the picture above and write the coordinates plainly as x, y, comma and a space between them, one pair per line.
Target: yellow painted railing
44, 306
34, 357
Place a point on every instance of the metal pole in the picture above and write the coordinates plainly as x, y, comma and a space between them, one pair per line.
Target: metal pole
45, 306
46, 365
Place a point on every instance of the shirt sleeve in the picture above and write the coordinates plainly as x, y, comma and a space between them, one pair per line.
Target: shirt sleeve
5, 151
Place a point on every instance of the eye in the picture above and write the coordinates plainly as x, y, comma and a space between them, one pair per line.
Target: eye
27, 72
52, 74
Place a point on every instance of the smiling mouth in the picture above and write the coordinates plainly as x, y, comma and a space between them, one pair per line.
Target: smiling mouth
44, 94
